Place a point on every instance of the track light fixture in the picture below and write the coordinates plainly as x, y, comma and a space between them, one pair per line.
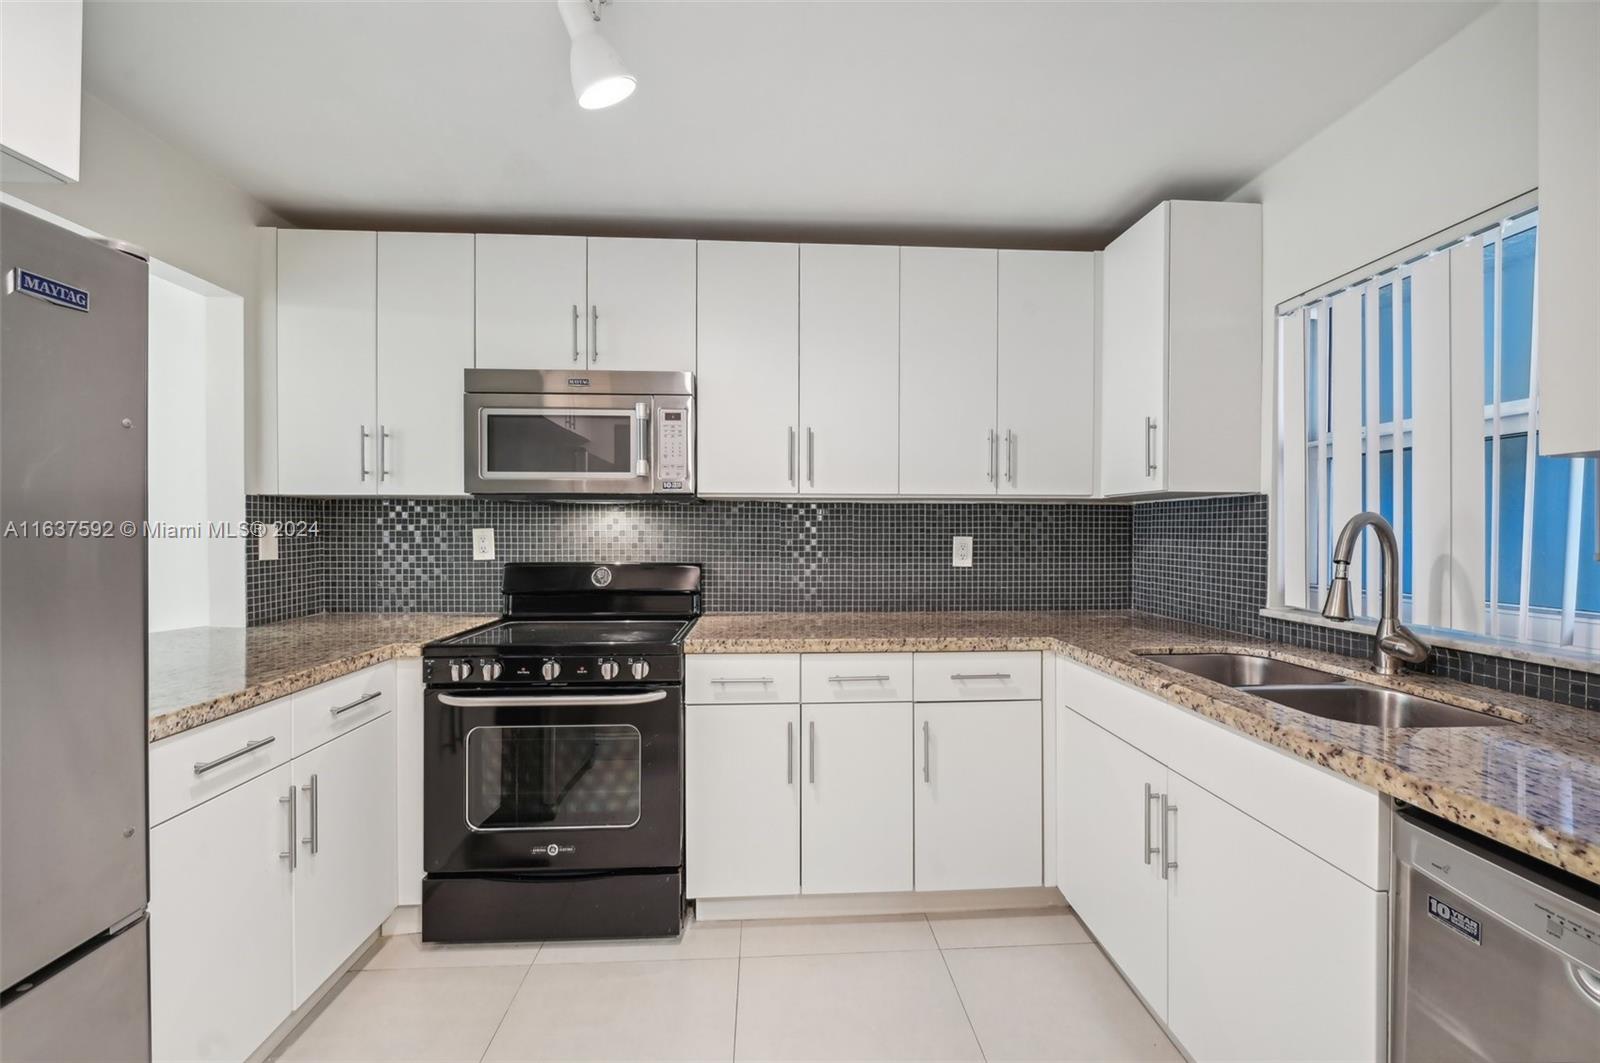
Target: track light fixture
598, 77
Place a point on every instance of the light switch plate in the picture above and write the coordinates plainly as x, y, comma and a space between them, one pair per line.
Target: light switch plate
961, 551
483, 544
267, 543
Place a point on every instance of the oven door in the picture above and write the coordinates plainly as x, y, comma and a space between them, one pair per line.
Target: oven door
557, 444
553, 780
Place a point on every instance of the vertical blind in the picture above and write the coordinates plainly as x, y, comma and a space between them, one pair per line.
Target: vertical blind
1413, 392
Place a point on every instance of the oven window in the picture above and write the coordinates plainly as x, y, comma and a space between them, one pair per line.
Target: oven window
559, 442
553, 778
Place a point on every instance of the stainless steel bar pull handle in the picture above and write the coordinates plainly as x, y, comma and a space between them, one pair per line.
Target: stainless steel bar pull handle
858, 679
1149, 850
340, 710
1149, 446
203, 766
575, 355
365, 435
927, 750
1011, 457
991, 456
765, 680
791, 457
383, 452
311, 838
292, 853
594, 334
811, 457
788, 759
980, 675
811, 757
1168, 812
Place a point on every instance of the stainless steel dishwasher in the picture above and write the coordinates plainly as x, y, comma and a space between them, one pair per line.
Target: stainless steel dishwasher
1494, 959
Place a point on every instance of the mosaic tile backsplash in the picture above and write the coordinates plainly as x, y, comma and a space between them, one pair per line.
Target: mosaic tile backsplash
1205, 560
409, 554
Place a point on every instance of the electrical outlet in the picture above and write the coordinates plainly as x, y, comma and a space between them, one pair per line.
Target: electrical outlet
267, 543
483, 544
961, 551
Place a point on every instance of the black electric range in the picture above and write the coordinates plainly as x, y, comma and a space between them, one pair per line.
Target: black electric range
553, 758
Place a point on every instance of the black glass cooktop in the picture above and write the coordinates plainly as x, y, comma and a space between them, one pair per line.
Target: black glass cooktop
564, 634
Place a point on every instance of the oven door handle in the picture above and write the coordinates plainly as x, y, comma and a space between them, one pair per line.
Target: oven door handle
534, 701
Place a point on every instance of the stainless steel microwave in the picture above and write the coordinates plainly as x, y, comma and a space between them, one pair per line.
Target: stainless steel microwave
555, 432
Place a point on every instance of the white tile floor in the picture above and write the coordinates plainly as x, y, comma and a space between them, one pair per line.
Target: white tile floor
997, 986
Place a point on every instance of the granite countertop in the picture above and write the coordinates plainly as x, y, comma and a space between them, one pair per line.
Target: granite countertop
1534, 786
202, 674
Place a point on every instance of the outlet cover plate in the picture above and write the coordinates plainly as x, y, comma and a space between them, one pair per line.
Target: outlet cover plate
483, 544
961, 551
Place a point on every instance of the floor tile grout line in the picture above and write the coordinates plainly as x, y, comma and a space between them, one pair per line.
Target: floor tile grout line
509, 1004
738, 977
948, 973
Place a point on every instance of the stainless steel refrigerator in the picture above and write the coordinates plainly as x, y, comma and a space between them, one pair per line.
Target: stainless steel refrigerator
73, 879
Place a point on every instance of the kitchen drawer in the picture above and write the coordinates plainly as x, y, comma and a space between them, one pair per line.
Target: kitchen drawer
977, 676
742, 678
330, 709
259, 736
855, 677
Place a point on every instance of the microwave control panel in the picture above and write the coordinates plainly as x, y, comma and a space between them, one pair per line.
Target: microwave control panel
672, 450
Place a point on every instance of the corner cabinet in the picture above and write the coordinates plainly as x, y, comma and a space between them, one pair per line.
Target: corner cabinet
1241, 891
1180, 356
272, 860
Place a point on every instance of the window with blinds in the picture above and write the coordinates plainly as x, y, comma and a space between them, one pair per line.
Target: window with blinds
1413, 391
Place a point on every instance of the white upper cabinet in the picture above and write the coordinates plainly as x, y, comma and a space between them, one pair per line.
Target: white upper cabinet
641, 304
425, 314
1569, 219
748, 382
948, 442
532, 302
41, 98
1047, 372
327, 361
1180, 365
849, 370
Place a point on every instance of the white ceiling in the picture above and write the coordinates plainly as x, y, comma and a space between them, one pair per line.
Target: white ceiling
1050, 124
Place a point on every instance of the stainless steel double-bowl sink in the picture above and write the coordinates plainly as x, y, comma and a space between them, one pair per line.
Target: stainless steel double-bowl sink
1323, 694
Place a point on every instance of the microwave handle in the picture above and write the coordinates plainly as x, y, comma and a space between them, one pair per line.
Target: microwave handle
641, 464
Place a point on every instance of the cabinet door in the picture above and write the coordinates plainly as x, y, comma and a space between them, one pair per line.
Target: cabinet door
344, 886
641, 304
747, 384
221, 969
1273, 953
424, 346
978, 791
531, 299
948, 443
855, 809
849, 369
742, 800
1133, 357
1103, 866
327, 361
1047, 372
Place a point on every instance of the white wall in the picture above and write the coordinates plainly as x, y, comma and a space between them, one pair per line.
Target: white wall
1452, 136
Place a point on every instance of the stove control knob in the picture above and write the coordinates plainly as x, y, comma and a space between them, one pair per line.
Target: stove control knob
551, 669
492, 670
608, 669
639, 669
460, 671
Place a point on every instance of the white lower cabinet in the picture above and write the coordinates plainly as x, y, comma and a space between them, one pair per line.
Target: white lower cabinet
259, 892
1269, 949
1109, 855
856, 801
221, 960
741, 800
344, 881
1247, 944
978, 792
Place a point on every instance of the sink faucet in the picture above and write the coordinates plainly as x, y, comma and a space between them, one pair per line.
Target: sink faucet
1394, 642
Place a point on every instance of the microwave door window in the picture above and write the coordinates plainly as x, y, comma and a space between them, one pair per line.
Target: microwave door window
560, 442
